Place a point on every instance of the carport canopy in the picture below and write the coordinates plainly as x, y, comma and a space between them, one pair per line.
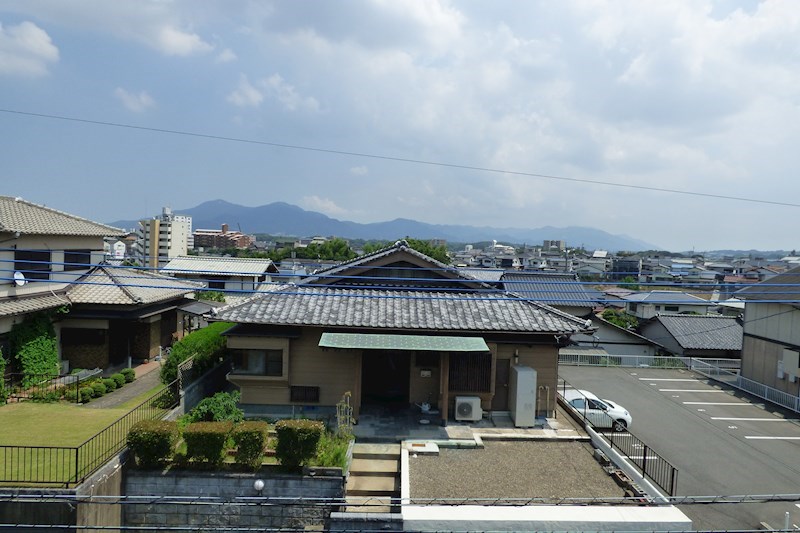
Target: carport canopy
377, 341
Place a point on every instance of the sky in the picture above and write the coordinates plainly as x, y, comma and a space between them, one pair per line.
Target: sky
326, 105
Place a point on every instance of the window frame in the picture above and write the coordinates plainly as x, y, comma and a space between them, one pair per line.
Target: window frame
35, 266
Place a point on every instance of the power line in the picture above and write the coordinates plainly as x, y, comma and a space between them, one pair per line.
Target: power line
392, 158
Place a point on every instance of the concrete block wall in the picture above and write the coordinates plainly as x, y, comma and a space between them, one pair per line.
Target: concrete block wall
225, 488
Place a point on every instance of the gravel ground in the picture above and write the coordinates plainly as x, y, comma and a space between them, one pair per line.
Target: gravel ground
512, 469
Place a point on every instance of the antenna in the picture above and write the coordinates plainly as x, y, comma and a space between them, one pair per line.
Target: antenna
19, 279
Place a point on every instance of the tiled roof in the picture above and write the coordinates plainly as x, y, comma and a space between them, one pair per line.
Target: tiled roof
666, 297
30, 304
704, 332
400, 309
219, 265
483, 274
28, 218
783, 287
110, 285
548, 288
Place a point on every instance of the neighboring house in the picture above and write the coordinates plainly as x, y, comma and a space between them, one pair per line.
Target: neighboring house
233, 274
565, 292
42, 251
121, 314
696, 335
159, 239
646, 305
393, 328
616, 340
771, 350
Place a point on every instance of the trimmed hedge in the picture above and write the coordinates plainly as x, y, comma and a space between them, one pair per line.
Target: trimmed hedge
119, 378
109, 383
152, 442
221, 407
250, 438
297, 441
87, 393
205, 441
204, 344
129, 373
99, 388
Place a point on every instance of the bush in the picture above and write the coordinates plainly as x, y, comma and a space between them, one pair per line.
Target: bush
129, 373
99, 388
87, 393
297, 441
71, 395
204, 344
250, 438
205, 441
332, 450
218, 408
33, 341
119, 378
109, 383
152, 441
47, 395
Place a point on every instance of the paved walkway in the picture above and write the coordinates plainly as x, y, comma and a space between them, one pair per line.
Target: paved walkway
146, 378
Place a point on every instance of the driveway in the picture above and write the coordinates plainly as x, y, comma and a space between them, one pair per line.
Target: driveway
723, 443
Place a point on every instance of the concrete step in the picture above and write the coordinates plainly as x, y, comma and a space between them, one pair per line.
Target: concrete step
365, 504
375, 467
372, 486
362, 450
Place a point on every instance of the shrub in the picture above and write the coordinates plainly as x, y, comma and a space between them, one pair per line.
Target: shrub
297, 441
47, 395
152, 441
250, 439
87, 393
71, 395
3, 390
129, 373
204, 344
205, 441
332, 450
99, 388
119, 378
218, 408
109, 383
33, 341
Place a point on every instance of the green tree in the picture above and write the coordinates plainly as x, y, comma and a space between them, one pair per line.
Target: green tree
629, 282
620, 318
34, 345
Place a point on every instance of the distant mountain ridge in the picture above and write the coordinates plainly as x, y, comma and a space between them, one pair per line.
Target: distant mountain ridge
280, 218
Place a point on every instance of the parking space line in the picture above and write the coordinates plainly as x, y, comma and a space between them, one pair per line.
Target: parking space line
668, 379
690, 390
763, 437
718, 403
756, 419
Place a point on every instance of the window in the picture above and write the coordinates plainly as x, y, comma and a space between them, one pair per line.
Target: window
633, 307
671, 308
217, 285
304, 394
258, 362
77, 259
34, 264
470, 372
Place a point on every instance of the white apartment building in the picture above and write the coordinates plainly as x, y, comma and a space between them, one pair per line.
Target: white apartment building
159, 239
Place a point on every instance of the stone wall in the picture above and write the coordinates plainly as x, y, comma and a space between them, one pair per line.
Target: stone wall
230, 499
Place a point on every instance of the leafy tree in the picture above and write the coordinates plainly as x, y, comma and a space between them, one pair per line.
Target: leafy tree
222, 407
436, 252
211, 296
620, 318
629, 282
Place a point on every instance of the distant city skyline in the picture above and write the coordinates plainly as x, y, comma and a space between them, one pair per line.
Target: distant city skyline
695, 96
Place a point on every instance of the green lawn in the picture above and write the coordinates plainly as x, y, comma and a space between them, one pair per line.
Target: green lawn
52, 424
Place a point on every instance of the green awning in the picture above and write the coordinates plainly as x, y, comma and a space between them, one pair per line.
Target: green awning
371, 341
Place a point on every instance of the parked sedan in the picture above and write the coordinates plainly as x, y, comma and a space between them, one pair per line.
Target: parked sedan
601, 413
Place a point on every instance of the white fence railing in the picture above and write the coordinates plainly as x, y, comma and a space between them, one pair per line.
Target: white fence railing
722, 370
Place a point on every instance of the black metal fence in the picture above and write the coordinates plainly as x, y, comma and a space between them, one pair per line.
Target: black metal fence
17, 387
69, 466
651, 465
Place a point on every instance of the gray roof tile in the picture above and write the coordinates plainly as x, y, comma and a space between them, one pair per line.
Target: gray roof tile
111, 285
704, 332
783, 287
30, 304
549, 288
19, 215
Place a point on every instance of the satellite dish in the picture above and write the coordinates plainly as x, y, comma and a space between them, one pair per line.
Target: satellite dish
19, 279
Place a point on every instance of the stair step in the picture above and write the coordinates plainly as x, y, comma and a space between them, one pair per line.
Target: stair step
363, 504
375, 467
363, 450
372, 486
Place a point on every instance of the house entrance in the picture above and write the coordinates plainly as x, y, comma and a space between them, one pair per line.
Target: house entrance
385, 378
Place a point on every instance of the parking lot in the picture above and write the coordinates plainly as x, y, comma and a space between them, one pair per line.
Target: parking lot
722, 442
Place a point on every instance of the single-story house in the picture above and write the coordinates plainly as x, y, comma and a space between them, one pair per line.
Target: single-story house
714, 336
392, 328
646, 305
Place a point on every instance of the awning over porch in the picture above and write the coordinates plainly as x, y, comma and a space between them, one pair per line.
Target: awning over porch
375, 341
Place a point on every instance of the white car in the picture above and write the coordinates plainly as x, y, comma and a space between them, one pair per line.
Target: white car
601, 413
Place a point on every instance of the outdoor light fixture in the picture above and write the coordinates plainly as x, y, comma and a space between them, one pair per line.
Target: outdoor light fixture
516, 356
259, 485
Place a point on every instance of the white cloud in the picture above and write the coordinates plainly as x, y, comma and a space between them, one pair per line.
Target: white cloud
322, 205
174, 42
138, 103
26, 50
359, 171
226, 56
245, 95
288, 95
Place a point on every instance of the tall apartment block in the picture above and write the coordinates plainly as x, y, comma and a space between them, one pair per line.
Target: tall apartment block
159, 239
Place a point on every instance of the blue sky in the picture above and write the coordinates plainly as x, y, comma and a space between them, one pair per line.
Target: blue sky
688, 95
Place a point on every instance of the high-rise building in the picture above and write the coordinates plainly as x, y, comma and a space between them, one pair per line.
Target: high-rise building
159, 239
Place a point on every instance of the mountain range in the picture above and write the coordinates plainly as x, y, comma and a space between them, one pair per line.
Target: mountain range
279, 218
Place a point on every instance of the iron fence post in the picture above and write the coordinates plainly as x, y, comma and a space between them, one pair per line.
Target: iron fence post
77, 463
644, 462
674, 482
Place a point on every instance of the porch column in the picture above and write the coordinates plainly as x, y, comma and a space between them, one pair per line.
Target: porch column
444, 386
357, 387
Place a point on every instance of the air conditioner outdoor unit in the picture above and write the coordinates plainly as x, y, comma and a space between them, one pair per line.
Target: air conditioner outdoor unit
468, 408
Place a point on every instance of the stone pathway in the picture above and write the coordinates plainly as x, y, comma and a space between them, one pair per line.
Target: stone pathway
146, 378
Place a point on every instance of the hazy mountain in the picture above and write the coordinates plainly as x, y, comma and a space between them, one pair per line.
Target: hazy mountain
280, 218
